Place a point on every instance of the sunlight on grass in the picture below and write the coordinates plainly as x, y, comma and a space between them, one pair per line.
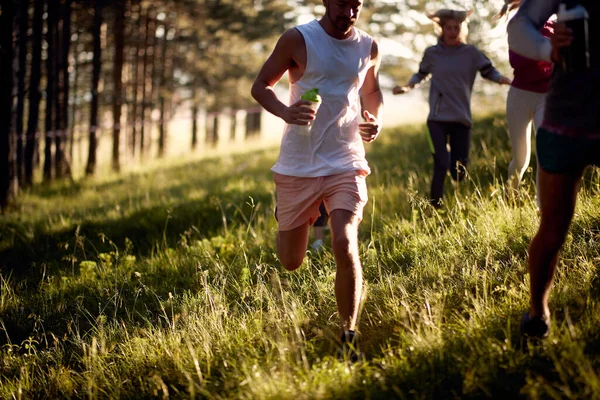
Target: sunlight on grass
165, 282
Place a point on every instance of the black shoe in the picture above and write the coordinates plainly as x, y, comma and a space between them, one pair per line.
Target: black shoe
535, 327
348, 350
436, 203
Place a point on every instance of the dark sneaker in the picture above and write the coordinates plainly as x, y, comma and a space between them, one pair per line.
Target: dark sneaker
436, 203
348, 350
535, 327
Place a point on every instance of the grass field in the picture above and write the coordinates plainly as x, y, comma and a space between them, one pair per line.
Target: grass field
165, 284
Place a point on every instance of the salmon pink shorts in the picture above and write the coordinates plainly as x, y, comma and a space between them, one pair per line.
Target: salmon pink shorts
298, 199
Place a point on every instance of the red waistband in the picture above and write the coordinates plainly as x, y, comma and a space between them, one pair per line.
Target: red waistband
575, 132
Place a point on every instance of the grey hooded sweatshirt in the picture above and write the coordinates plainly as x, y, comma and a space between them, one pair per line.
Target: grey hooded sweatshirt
453, 70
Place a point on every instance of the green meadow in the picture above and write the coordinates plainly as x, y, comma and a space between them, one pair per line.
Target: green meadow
165, 283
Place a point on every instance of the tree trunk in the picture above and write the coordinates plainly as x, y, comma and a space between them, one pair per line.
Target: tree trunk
50, 89
154, 84
149, 45
21, 74
63, 39
8, 172
31, 143
137, 37
118, 81
194, 117
74, 131
162, 89
58, 88
96, 67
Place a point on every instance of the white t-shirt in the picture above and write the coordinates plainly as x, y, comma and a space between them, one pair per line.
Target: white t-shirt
338, 69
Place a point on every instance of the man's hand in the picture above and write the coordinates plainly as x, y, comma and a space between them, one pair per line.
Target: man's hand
298, 113
370, 129
562, 37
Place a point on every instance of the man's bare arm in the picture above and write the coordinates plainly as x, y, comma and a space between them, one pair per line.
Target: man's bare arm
372, 99
280, 61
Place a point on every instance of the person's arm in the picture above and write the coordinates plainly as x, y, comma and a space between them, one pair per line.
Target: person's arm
372, 99
487, 70
420, 77
280, 61
524, 36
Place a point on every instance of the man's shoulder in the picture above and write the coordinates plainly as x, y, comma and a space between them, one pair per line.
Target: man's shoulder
364, 34
292, 37
306, 27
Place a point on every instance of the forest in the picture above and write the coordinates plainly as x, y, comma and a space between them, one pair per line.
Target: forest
73, 70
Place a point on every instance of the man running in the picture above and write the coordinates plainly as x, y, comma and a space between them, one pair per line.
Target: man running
322, 157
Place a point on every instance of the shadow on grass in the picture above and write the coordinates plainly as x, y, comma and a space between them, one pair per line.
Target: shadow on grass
27, 247
34, 253
489, 362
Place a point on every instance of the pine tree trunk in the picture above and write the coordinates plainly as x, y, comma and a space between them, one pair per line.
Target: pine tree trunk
31, 141
194, 117
58, 88
153, 84
50, 89
22, 40
161, 96
118, 81
63, 39
6, 55
74, 131
149, 43
96, 68
136, 72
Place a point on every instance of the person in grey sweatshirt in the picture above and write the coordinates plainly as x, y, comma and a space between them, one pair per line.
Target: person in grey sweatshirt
452, 66
567, 141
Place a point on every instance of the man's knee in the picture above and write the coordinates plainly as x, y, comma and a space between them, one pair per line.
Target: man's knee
346, 251
341, 244
291, 262
291, 247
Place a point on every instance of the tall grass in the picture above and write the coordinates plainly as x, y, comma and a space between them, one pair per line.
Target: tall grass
165, 283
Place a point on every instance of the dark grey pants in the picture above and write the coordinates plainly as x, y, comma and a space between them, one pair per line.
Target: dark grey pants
454, 160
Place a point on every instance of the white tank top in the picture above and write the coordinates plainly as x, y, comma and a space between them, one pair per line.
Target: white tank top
338, 69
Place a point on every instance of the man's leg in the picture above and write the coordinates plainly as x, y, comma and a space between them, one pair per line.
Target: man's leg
348, 279
297, 208
558, 194
291, 246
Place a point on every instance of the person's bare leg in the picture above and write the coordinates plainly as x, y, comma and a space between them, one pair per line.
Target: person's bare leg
558, 193
348, 279
291, 246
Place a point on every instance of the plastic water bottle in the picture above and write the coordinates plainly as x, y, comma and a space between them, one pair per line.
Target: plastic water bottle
575, 57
